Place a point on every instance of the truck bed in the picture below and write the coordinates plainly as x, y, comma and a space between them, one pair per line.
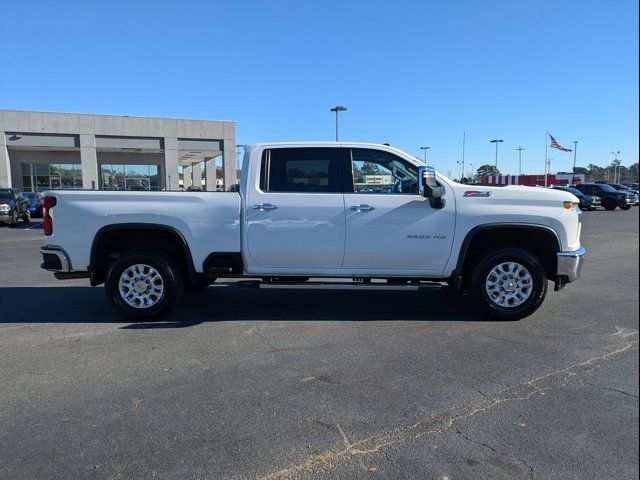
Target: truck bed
208, 221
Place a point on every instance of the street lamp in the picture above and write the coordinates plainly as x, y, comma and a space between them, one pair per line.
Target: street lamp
496, 141
573, 172
615, 165
338, 108
519, 159
425, 153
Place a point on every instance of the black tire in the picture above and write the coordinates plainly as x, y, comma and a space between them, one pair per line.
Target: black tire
626, 207
171, 282
491, 259
198, 284
609, 204
14, 219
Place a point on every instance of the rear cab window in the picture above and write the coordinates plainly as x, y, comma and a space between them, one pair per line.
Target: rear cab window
304, 170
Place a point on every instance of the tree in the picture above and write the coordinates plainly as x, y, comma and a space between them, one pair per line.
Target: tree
488, 170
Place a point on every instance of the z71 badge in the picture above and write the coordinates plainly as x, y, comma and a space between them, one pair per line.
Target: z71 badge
477, 193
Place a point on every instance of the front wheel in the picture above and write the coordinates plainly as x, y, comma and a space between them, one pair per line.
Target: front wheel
143, 286
508, 283
609, 204
626, 207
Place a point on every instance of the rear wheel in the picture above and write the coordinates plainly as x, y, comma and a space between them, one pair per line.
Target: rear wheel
143, 286
508, 283
14, 219
609, 204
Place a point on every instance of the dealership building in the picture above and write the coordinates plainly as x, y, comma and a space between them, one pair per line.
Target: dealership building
47, 150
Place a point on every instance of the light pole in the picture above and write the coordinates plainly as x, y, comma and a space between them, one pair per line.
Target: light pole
238, 152
615, 165
337, 109
575, 153
546, 172
519, 159
496, 141
473, 173
424, 149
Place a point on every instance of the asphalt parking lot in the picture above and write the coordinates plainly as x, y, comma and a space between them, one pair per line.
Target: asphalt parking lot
244, 383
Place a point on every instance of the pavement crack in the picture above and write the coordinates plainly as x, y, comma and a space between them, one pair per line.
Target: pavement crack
610, 389
495, 450
448, 419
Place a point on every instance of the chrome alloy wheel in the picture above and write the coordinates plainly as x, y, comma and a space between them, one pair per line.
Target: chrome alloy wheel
141, 286
509, 284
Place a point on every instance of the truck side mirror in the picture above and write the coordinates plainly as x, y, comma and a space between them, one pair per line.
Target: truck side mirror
429, 188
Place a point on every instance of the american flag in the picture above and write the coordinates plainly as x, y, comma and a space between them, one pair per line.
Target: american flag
555, 144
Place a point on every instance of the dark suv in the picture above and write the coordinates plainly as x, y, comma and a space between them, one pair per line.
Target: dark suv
587, 202
611, 198
622, 188
13, 206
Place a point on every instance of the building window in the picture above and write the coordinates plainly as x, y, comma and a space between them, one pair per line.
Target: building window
37, 177
129, 177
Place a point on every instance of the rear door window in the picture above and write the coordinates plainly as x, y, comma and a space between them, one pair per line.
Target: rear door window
309, 170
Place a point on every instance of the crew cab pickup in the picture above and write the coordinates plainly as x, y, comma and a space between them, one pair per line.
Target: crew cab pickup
348, 215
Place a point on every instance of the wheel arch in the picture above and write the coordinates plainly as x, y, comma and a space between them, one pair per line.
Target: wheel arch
484, 236
170, 240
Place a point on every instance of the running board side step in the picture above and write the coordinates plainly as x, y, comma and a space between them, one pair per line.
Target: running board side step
341, 286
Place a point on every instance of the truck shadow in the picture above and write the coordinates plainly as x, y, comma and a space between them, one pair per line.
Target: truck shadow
226, 302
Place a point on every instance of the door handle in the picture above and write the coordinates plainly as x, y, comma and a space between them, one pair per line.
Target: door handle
264, 206
361, 208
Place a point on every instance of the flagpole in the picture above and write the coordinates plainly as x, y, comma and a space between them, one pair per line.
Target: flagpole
546, 145
464, 141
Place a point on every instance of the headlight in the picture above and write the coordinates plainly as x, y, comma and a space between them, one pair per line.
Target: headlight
4, 206
570, 205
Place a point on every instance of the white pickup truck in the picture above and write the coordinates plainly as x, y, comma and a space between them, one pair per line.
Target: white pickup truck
347, 215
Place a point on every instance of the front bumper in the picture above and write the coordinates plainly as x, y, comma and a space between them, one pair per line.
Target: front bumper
569, 266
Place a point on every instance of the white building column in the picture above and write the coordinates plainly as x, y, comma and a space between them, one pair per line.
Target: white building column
5, 164
186, 177
196, 168
210, 174
171, 173
229, 166
89, 161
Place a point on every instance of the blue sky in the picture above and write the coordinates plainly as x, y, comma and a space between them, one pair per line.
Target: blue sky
411, 73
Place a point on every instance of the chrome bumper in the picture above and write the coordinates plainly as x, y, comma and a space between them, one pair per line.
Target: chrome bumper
570, 265
55, 259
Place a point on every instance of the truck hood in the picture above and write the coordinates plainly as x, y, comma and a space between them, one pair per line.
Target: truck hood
518, 192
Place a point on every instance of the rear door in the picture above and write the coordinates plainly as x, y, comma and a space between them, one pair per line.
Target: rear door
295, 219
391, 229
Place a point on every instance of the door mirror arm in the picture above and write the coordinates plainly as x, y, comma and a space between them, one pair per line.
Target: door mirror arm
429, 188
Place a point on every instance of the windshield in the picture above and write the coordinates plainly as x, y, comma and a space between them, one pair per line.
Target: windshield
608, 188
575, 191
5, 194
30, 195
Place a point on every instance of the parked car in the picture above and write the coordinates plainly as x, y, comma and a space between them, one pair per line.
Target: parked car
35, 203
13, 206
611, 198
587, 202
622, 188
299, 214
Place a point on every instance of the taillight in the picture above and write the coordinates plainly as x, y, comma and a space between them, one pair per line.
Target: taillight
47, 223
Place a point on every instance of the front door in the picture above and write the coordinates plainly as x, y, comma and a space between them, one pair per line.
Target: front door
295, 214
391, 229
